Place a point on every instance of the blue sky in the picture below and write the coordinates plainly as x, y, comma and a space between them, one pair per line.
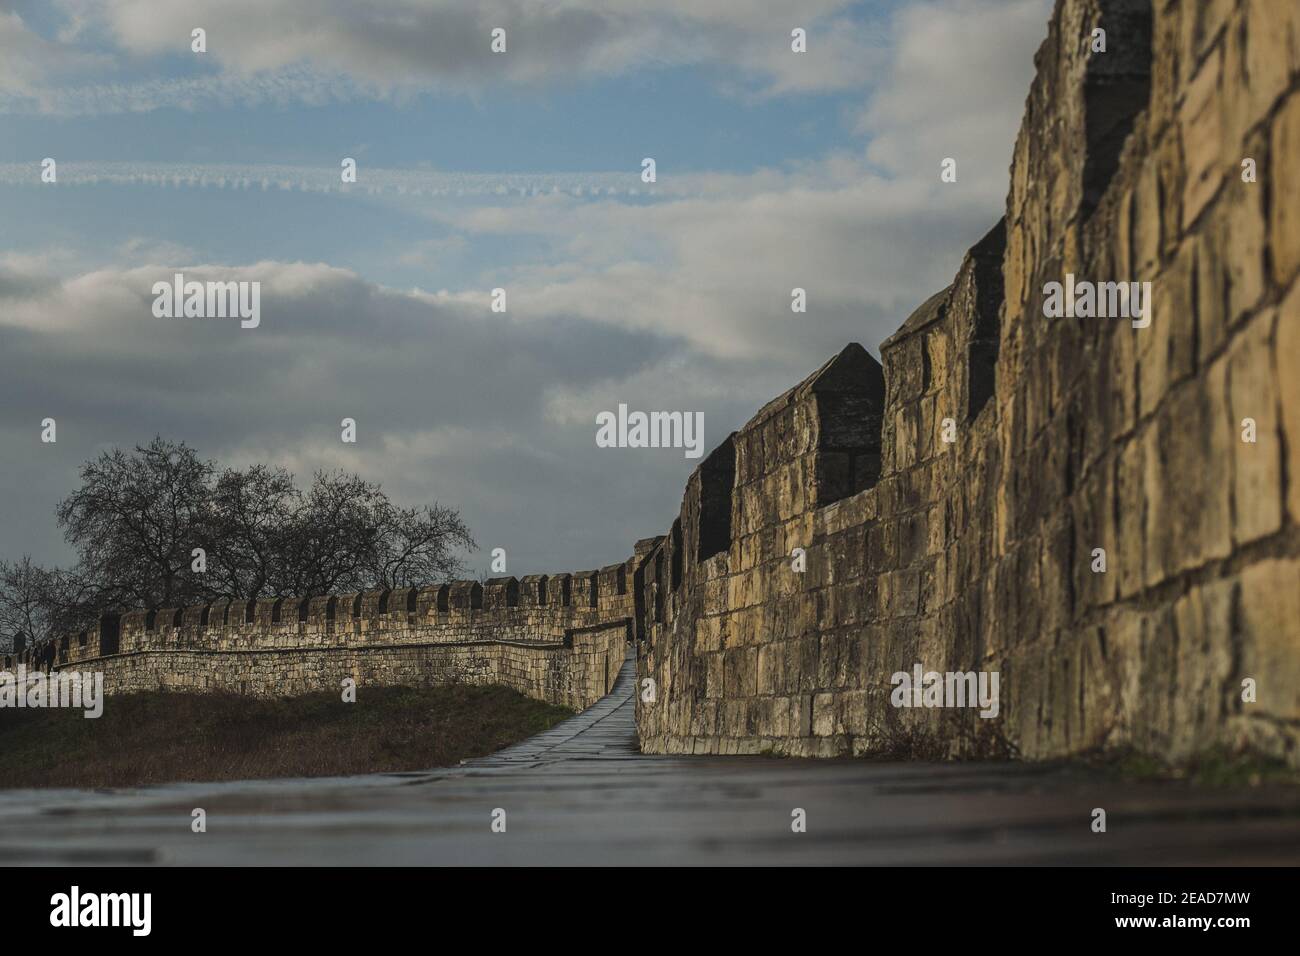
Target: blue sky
608, 126
588, 125
775, 170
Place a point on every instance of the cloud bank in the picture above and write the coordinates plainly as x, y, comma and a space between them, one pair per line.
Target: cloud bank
671, 298
319, 51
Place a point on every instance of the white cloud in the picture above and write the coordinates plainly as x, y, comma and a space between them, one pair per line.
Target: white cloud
29, 61
956, 87
712, 259
718, 272
449, 400
320, 51
140, 249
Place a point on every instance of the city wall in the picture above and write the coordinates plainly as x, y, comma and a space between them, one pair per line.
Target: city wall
560, 638
1068, 438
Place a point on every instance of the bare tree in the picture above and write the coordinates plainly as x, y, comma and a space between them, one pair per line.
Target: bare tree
40, 602
416, 545
252, 515
135, 520
333, 535
25, 606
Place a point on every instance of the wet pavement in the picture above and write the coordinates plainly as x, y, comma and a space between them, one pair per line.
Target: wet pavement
580, 793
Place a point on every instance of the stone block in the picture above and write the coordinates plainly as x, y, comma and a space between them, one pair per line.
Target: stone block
1257, 466
1201, 123
1287, 355
1284, 184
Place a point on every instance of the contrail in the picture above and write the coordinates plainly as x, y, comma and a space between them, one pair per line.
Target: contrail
311, 179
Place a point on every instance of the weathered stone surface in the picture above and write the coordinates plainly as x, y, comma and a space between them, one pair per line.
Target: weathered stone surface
1201, 121
1284, 221
1071, 435
1270, 607
1257, 466
1287, 353
559, 650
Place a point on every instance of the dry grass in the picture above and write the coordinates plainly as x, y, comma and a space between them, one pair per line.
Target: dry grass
163, 737
948, 735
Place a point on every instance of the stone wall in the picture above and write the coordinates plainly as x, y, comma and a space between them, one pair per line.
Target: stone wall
574, 673
1069, 435
559, 638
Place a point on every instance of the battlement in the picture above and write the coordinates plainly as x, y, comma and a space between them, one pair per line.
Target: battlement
946, 506
558, 637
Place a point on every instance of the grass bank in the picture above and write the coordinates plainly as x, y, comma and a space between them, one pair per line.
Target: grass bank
154, 738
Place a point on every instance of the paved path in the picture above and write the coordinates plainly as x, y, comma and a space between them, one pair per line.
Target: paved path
581, 793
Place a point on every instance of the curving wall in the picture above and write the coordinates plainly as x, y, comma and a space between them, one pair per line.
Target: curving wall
560, 638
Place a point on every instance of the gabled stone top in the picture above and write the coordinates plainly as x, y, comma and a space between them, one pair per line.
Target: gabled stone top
851, 369
928, 313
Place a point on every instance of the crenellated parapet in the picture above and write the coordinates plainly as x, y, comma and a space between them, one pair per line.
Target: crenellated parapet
1073, 503
559, 637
